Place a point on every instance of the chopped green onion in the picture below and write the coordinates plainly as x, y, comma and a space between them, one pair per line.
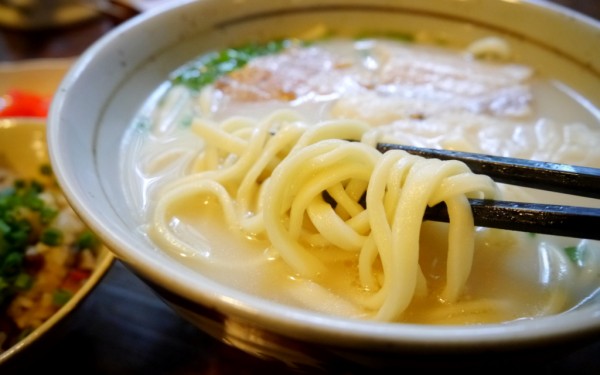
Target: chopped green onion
46, 170
20, 184
23, 281
47, 214
209, 67
11, 264
575, 254
52, 237
61, 296
87, 240
4, 227
26, 216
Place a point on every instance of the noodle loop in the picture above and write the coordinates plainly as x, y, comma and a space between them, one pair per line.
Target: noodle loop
303, 187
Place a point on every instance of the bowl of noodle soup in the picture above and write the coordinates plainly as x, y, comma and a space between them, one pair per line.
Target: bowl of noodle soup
232, 165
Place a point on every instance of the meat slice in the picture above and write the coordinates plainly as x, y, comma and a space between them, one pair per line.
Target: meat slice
414, 76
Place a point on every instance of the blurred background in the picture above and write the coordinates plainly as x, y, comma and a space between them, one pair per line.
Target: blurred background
64, 28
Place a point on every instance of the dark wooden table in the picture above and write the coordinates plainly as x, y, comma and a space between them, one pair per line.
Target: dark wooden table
123, 328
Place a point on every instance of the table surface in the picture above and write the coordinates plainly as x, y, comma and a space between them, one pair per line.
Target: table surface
123, 328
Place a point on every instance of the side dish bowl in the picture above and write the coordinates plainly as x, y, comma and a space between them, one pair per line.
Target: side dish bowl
104, 90
23, 150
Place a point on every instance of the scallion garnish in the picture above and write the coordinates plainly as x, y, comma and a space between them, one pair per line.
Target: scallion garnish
208, 68
61, 296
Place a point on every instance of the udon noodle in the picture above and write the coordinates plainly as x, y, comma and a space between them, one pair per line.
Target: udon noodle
279, 189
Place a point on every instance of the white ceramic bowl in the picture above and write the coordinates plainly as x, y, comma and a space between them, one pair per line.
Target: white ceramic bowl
105, 88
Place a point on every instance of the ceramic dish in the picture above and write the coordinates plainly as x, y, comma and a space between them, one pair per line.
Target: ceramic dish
23, 146
88, 125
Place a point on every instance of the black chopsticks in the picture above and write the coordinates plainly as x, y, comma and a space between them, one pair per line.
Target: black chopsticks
561, 220
561, 178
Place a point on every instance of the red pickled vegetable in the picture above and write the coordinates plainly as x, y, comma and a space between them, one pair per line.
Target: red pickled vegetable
19, 103
74, 279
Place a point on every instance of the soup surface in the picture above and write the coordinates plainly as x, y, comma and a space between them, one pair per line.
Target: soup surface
471, 99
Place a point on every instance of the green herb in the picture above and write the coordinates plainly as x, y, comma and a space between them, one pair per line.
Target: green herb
22, 213
87, 240
11, 264
51, 237
208, 68
575, 254
61, 296
23, 281
46, 170
5, 289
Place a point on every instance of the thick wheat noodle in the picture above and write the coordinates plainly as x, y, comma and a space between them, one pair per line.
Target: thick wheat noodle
270, 178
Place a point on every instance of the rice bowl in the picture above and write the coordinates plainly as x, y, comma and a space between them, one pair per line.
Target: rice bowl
60, 279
